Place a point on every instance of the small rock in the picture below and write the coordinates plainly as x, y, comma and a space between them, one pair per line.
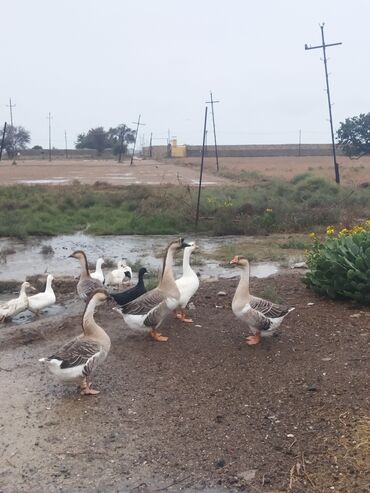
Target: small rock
197, 325
220, 463
299, 265
312, 388
191, 306
218, 306
221, 293
310, 304
248, 475
355, 315
290, 435
326, 359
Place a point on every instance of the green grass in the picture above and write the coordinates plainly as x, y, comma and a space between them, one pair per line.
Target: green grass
261, 206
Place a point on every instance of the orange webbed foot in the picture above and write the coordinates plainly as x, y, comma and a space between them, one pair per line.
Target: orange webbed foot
253, 340
157, 336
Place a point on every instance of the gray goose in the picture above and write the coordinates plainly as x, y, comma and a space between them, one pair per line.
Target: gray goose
261, 316
147, 312
86, 284
76, 360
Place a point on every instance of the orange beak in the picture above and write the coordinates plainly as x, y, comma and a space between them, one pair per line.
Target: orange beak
234, 260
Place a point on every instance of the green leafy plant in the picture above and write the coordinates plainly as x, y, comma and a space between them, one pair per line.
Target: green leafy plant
340, 264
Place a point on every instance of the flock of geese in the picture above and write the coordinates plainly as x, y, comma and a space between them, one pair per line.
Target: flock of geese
141, 310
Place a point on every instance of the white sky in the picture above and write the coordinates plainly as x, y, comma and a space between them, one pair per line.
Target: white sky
92, 63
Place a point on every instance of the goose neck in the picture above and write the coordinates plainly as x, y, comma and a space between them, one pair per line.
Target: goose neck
90, 327
167, 273
242, 291
84, 267
186, 269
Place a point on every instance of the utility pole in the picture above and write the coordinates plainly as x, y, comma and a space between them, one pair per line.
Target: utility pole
121, 141
324, 46
151, 144
2, 141
49, 117
11, 106
212, 102
201, 166
137, 131
65, 142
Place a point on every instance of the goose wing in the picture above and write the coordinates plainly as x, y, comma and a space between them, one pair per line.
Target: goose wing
255, 319
144, 303
87, 286
267, 308
78, 352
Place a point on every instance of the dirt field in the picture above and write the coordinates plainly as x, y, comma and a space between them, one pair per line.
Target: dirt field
185, 171
351, 171
65, 171
203, 412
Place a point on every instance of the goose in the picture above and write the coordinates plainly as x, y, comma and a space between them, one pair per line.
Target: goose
262, 316
150, 309
188, 284
98, 274
86, 284
16, 305
133, 293
40, 301
77, 360
120, 275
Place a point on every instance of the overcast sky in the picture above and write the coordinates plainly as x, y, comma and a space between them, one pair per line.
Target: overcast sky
102, 62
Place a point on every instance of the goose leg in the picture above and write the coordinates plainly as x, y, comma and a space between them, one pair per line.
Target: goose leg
253, 340
85, 388
178, 314
157, 336
184, 319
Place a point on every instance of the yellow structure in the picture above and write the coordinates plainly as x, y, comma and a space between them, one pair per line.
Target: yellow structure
176, 150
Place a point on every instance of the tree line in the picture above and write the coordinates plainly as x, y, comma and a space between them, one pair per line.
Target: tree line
353, 137
115, 139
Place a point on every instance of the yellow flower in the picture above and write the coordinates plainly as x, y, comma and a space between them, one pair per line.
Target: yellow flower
268, 210
312, 235
368, 222
330, 230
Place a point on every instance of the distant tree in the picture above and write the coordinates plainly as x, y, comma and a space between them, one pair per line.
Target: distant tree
96, 138
115, 139
354, 136
37, 148
119, 137
16, 138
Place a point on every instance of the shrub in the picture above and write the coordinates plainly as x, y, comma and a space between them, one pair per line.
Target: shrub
340, 264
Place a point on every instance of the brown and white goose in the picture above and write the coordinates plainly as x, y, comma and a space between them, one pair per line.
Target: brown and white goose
149, 310
262, 316
76, 360
86, 284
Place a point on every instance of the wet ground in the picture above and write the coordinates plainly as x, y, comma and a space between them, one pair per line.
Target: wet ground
202, 412
28, 259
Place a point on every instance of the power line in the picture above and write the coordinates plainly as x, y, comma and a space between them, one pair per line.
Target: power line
137, 131
324, 46
212, 102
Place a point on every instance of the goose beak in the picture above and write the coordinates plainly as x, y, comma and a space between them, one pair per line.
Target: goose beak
184, 244
32, 288
71, 256
234, 260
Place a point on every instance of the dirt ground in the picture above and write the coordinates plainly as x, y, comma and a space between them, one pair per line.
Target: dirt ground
175, 171
202, 412
89, 171
351, 171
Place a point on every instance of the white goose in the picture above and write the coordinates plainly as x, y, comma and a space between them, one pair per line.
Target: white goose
76, 360
16, 305
39, 301
188, 284
121, 275
86, 284
98, 274
262, 316
150, 309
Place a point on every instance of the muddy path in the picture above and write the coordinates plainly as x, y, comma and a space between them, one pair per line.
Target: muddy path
203, 412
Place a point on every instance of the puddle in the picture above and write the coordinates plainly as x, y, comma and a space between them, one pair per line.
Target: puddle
51, 181
148, 250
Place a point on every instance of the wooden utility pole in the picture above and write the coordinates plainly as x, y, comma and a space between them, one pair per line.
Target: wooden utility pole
137, 131
324, 46
201, 166
212, 102
49, 117
65, 142
151, 144
11, 106
2, 141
